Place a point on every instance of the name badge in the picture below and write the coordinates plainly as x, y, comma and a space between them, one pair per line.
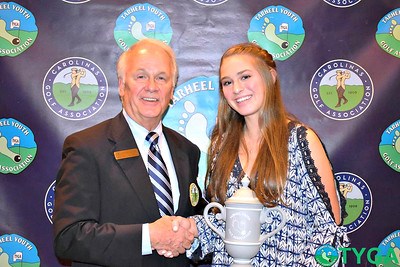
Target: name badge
128, 153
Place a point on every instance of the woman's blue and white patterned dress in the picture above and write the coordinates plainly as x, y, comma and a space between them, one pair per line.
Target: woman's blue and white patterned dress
310, 222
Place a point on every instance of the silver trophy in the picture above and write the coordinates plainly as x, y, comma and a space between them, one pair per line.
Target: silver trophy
243, 215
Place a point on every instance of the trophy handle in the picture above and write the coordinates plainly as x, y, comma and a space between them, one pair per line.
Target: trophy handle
264, 218
219, 216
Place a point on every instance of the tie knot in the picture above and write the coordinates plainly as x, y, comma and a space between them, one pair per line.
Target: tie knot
152, 138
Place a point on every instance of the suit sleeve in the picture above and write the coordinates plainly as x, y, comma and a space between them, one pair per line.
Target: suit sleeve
79, 236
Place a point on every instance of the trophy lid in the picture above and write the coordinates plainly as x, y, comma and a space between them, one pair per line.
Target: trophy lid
244, 195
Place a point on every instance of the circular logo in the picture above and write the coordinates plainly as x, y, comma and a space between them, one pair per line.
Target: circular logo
326, 255
342, 3
139, 22
389, 251
388, 33
240, 226
75, 1
389, 147
194, 194
18, 30
341, 90
16, 250
358, 200
193, 113
75, 88
210, 2
49, 201
17, 146
278, 30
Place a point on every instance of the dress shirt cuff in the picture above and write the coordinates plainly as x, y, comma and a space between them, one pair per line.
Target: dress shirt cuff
146, 244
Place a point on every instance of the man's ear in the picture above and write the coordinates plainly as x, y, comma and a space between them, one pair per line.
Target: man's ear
121, 87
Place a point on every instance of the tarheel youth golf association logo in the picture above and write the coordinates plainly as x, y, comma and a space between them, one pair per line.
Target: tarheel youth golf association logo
389, 147
358, 197
342, 3
388, 33
389, 251
210, 2
139, 22
75, 88
17, 146
341, 90
193, 114
18, 30
49, 201
16, 251
278, 30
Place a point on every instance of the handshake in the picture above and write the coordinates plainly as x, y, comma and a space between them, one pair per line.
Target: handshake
172, 235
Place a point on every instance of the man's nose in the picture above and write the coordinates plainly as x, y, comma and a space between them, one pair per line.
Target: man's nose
152, 85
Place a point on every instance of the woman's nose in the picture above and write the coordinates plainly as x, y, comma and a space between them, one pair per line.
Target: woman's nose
237, 88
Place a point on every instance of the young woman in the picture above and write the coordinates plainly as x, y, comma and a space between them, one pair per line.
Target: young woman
285, 161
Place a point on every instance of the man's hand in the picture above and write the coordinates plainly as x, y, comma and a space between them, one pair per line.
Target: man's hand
171, 236
187, 223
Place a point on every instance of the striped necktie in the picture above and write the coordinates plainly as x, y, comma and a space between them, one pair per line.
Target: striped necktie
159, 176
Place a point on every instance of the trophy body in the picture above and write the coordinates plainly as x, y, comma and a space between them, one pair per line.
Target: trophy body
243, 216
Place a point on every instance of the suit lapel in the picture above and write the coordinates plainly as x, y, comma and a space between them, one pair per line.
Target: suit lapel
133, 166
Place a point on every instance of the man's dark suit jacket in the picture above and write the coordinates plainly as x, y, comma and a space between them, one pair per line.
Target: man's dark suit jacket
102, 199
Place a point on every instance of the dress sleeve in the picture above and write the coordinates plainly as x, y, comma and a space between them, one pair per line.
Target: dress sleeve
207, 241
321, 225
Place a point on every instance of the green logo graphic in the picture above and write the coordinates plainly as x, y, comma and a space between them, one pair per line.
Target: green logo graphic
17, 146
389, 148
18, 30
388, 33
389, 251
139, 22
326, 255
16, 250
278, 30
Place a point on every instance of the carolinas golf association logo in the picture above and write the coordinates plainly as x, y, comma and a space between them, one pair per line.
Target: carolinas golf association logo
49, 201
388, 33
139, 22
193, 113
358, 197
389, 147
210, 2
278, 30
17, 146
75, 88
16, 251
341, 90
18, 30
342, 3
75, 1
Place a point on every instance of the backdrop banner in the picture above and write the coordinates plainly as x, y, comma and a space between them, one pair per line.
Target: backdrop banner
318, 46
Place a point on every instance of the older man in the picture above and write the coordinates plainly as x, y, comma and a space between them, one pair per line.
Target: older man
122, 182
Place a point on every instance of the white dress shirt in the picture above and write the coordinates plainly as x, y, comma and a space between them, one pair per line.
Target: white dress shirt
139, 134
